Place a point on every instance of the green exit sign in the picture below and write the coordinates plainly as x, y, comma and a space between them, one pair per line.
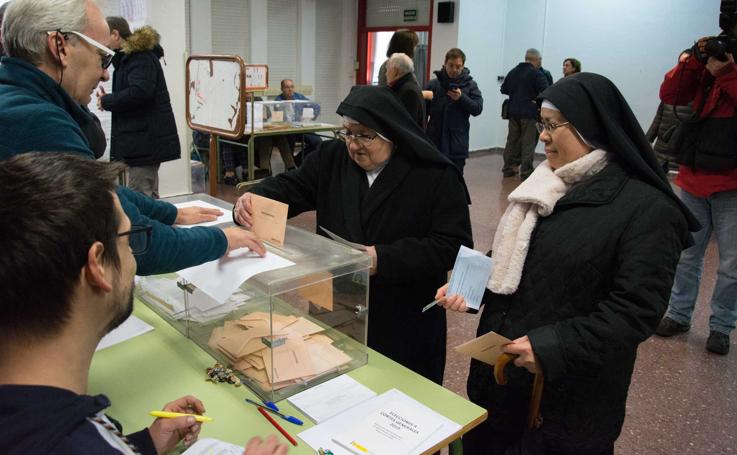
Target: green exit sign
410, 15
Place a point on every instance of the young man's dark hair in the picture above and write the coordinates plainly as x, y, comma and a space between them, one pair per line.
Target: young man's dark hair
53, 207
454, 54
120, 24
574, 63
403, 42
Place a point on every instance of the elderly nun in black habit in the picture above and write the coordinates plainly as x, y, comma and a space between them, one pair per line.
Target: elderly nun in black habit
585, 256
385, 185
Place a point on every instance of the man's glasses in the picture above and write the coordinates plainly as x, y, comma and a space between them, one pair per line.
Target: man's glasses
139, 238
362, 139
549, 127
106, 54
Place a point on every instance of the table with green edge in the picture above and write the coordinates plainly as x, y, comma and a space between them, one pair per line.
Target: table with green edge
144, 373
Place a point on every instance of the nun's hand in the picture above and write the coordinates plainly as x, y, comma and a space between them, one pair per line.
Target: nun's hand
452, 303
719, 68
243, 211
522, 348
371, 251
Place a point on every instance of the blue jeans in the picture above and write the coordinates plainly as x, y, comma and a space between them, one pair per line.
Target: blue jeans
717, 214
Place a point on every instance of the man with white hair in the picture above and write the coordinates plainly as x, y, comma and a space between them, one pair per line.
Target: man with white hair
56, 55
523, 85
401, 79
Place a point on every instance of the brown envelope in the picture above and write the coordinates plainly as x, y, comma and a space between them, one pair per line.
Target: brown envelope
303, 327
291, 361
486, 348
269, 219
320, 293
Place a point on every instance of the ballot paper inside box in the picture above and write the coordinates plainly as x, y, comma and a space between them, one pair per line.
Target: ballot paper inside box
281, 331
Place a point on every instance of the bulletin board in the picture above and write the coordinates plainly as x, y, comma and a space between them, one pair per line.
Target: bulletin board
215, 102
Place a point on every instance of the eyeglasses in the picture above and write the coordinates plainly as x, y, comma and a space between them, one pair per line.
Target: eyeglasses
106, 54
139, 238
362, 139
549, 127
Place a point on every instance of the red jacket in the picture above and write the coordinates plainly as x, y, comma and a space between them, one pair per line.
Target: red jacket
688, 82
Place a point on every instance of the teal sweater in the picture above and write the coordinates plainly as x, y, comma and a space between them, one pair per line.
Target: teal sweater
38, 115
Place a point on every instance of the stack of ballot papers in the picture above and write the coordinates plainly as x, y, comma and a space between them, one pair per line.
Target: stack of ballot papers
391, 423
330, 398
288, 350
169, 298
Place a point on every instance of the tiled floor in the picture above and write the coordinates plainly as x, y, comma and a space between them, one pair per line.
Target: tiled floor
683, 400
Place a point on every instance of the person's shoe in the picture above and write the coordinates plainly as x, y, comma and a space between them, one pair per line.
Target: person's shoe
718, 343
668, 327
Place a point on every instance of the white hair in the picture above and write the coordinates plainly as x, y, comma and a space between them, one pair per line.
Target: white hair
400, 62
532, 53
26, 23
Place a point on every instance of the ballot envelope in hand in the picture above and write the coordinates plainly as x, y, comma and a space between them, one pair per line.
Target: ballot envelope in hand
470, 274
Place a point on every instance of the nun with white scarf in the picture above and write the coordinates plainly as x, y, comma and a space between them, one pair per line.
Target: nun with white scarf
585, 256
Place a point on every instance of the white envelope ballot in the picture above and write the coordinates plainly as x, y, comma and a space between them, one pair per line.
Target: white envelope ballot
470, 275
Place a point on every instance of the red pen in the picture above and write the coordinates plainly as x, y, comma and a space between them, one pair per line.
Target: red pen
277, 426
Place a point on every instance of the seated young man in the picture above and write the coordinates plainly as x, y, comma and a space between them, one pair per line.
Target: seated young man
67, 271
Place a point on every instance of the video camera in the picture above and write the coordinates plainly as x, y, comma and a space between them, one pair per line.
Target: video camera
726, 42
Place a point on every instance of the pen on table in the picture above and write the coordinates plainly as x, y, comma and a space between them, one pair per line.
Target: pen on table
172, 415
271, 409
432, 304
276, 425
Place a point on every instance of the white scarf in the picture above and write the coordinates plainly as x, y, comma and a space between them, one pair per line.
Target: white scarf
533, 198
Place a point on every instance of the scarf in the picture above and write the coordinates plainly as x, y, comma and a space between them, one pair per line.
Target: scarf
533, 198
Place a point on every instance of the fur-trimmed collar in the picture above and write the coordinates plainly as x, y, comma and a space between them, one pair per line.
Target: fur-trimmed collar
143, 39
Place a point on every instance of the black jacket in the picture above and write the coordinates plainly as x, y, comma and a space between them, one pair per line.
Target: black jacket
410, 95
595, 284
448, 127
143, 128
48, 420
523, 85
415, 214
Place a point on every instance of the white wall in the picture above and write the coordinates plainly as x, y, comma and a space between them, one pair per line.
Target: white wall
631, 42
481, 37
444, 36
168, 18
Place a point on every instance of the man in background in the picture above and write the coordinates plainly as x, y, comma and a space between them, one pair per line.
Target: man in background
401, 80
309, 141
523, 85
455, 97
144, 132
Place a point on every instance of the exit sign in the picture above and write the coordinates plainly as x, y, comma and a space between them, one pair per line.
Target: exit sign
410, 15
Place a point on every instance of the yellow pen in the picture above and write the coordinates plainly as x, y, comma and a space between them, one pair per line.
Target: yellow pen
172, 415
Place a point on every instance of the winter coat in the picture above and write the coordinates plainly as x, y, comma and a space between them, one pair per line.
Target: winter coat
662, 128
415, 214
711, 143
37, 115
448, 126
48, 420
144, 132
523, 85
595, 284
410, 95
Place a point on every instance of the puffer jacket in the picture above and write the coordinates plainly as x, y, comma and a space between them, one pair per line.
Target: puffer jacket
666, 119
448, 126
143, 128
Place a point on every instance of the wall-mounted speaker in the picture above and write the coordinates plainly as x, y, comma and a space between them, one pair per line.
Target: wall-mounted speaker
446, 12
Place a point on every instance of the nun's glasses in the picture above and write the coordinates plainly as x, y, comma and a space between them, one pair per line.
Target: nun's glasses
549, 127
362, 139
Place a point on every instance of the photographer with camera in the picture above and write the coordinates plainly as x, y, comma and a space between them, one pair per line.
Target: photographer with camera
455, 98
705, 147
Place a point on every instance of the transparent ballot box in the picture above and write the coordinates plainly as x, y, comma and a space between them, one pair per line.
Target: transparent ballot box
280, 331
284, 114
